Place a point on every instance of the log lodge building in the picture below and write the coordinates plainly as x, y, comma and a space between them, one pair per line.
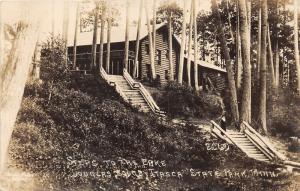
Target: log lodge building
206, 71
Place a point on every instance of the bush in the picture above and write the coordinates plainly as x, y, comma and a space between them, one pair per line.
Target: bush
283, 120
181, 100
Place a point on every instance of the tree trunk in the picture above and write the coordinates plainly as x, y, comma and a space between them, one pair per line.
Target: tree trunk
151, 51
170, 30
231, 83
277, 48
245, 112
190, 44
14, 69
271, 64
109, 20
262, 118
259, 43
182, 46
137, 45
125, 62
103, 15
154, 25
94, 46
229, 21
195, 46
35, 72
296, 44
75, 36
65, 28
238, 63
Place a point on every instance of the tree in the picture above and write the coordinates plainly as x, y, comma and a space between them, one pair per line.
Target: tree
126, 50
296, 44
66, 27
137, 45
36, 61
190, 43
259, 42
109, 22
263, 76
170, 46
75, 35
182, 46
195, 46
103, 12
170, 9
277, 47
94, 46
270, 55
238, 63
154, 25
151, 51
231, 82
14, 70
245, 112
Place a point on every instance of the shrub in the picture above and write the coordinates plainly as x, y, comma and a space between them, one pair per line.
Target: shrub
181, 100
282, 118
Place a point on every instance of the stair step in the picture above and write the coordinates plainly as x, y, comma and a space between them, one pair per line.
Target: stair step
257, 155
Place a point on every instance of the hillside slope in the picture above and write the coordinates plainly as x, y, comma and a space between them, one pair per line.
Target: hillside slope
74, 133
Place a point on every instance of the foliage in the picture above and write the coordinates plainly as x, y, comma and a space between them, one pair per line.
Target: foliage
165, 10
90, 9
85, 120
282, 114
181, 100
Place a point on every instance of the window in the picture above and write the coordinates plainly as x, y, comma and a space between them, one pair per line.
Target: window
147, 49
148, 72
158, 77
167, 74
158, 56
165, 38
167, 54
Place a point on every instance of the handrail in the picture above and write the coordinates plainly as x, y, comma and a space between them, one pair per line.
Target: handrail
130, 80
143, 91
279, 155
214, 124
105, 76
263, 149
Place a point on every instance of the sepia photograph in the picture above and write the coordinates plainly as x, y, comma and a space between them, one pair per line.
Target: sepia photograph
149, 95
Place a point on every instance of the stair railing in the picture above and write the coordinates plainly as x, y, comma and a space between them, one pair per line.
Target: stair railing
154, 107
215, 128
262, 142
105, 76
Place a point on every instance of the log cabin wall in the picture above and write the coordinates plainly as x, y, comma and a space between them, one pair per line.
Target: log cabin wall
162, 66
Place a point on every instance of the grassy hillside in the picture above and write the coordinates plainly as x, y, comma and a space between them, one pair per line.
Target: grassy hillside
70, 124
75, 133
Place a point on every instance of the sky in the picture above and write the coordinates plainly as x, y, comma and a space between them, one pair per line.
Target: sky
45, 10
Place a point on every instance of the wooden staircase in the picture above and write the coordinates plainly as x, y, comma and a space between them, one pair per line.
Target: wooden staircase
134, 96
254, 145
132, 92
247, 146
250, 142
